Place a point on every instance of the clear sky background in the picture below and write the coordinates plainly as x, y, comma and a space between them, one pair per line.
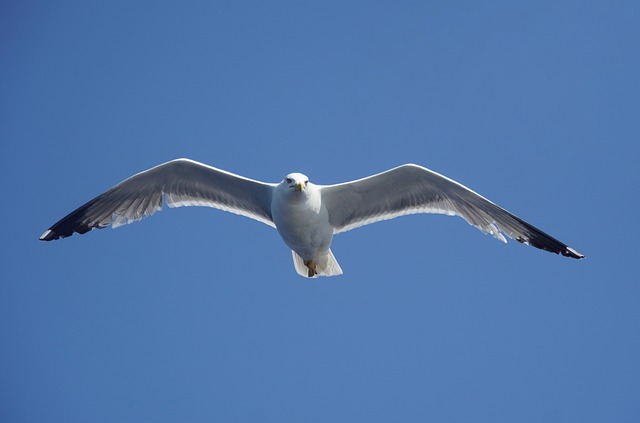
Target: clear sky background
198, 315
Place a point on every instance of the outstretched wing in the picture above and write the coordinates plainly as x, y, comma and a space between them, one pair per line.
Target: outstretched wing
180, 182
410, 189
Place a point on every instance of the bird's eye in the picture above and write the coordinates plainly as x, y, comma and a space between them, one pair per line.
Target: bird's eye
306, 182
289, 180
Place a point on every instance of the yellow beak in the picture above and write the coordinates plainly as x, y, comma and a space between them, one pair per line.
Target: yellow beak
300, 186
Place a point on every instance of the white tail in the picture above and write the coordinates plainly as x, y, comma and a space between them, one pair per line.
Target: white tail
326, 265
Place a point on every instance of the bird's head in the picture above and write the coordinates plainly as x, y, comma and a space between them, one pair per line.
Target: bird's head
296, 181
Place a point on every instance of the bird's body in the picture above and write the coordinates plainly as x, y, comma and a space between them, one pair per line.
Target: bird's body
302, 220
307, 216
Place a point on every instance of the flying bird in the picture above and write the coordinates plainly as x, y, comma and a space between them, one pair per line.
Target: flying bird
306, 215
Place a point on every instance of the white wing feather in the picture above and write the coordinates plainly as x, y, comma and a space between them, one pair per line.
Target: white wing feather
180, 182
411, 189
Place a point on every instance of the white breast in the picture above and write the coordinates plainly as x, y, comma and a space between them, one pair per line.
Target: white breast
302, 220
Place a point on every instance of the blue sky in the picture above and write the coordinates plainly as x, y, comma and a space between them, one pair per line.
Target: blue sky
198, 315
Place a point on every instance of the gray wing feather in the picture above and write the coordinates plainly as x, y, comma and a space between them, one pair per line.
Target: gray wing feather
411, 189
180, 182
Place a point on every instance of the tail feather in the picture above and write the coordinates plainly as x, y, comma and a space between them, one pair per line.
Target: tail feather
326, 265
298, 263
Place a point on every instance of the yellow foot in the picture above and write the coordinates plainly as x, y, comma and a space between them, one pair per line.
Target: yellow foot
311, 265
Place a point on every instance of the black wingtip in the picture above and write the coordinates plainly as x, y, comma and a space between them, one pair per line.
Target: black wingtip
570, 252
49, 235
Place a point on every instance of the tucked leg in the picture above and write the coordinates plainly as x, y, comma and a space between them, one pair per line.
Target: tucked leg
311, 265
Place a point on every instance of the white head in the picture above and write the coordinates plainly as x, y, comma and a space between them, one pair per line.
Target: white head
296, 181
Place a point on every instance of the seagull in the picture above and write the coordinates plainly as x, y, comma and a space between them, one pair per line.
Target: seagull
307, 216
